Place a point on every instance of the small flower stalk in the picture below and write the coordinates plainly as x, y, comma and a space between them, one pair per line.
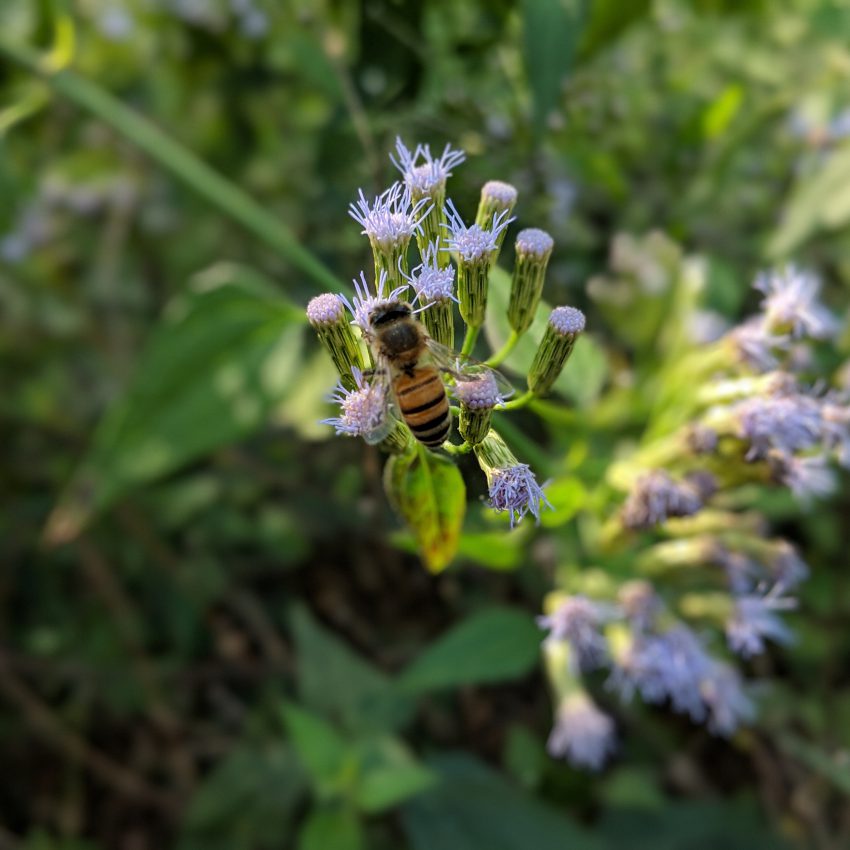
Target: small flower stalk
533, 250
327, 315
563, 329
498, 200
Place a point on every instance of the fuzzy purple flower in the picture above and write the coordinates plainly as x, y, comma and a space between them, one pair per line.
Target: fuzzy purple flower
430, 282
478, 392
515, 489
582, 734
577, 620
639, 603
364, 410
807, 477
791, 303
656, 497
835, 414
474, 244
787, 422
757, 344
668, 666
391, 218
325, 309
422, 173
756, 619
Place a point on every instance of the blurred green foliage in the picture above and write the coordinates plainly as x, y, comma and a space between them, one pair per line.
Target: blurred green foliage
213, 634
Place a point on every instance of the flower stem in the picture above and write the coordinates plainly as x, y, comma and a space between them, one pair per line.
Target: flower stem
498, 358
469, 339
227, 197
452, 449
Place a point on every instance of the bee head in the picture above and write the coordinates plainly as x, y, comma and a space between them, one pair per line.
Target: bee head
389, 311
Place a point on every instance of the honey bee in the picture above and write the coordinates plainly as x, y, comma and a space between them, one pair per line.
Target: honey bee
413, 366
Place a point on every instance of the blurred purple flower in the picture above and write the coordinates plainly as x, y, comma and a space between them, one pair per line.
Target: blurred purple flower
582, 734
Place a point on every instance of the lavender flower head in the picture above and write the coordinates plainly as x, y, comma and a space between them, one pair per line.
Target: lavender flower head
502, 193
788, 422
479, 392
835, 415
577, 620
756, 343
756, 619
582, 734
364, 302
430, 282
515, 489
668, 666
364, 409
428, 177
656, 497
538, 243
791, 303
392, 217
567, 321
807, 477
474, 244
325, 309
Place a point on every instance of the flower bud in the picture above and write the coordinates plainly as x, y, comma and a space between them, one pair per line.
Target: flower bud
562, 330
497, 199
326, 313
477, 399
533, 249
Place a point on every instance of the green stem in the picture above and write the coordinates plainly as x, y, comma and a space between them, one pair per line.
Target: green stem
517, 403
498, 358
182, 163
469, 339
452, 449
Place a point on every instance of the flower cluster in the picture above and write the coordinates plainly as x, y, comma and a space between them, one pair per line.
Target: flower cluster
713, 585
416, 208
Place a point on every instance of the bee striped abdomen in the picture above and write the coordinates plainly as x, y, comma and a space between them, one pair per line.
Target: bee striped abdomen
424, 405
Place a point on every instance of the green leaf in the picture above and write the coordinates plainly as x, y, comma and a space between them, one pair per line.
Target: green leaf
389, 775
331, 828
321, 749
247, 802
473, 807
340, 685
220, 360
586, 371
820, 202
493, 549
551, 30
429, 493
568, 496
496, 645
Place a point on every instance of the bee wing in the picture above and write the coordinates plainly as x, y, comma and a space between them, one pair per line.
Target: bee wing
461, 367
381, 379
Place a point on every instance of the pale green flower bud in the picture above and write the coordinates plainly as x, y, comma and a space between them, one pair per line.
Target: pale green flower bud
562, 330
533, 250
326, 313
